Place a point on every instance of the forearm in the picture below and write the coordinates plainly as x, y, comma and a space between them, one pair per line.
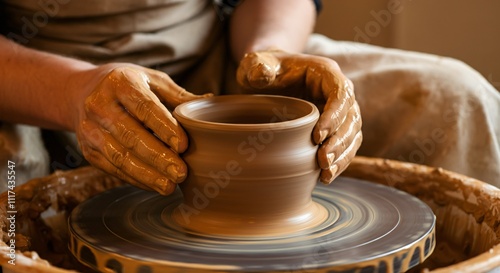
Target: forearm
262, 24
38, 88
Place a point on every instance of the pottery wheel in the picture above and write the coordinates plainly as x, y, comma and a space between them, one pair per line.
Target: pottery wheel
370, 228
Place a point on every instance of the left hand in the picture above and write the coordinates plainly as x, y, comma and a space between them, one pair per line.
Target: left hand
124, 125
319, 80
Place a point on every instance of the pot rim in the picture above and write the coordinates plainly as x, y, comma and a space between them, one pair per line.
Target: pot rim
180, 113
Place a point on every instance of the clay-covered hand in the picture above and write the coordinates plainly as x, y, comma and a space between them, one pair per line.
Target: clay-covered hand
319, 80
124, 126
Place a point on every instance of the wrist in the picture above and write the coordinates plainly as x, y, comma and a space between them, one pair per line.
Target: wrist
260, 24
38, 88
83, 82
79, 85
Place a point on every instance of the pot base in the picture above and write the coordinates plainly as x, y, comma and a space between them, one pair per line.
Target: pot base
252, 228
369, 227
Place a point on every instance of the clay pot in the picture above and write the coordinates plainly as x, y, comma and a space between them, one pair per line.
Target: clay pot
251, 166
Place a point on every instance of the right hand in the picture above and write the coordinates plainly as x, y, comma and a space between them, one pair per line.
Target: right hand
124, 126
321, 81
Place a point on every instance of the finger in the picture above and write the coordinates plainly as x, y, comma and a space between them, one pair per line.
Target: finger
97, 160
258, 70
328, 175
319, 75
341, 140
340, 99
138, 99
134, 137
111, 169
123, 161
345, 158
168, 91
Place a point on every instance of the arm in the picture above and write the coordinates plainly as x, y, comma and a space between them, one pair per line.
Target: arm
267, 37
258, 25
118, 111
37, 88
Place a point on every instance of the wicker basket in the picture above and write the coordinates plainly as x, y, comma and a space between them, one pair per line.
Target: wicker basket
467, 211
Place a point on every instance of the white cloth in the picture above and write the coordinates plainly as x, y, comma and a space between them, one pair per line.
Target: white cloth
22, 145
415, 107
421, 108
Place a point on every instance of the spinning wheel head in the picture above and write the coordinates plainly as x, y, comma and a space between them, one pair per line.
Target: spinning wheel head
368, 227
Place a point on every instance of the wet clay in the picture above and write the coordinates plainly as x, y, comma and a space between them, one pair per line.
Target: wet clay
249, 193
369, 226
467, 211
58, 193
471, 205
252, 166
314, 79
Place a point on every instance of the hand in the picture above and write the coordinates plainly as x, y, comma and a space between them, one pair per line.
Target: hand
124, 126
319, 80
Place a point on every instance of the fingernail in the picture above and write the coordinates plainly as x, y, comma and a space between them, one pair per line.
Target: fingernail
174, 172
330, 175
163, 186
174, 143
322, 135
326, 178
334, 169
331, 158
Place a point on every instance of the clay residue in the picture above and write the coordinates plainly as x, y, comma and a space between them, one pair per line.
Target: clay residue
58, 193
467, 210
468, 202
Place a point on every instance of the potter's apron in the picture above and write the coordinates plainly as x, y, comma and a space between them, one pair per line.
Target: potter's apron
169, 33
416, 107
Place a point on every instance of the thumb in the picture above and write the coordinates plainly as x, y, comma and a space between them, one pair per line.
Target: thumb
168, 91
258, 70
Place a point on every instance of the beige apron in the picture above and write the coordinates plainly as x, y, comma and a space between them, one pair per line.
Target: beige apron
146, 32
416, 107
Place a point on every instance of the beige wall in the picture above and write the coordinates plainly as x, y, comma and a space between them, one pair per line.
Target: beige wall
463, 29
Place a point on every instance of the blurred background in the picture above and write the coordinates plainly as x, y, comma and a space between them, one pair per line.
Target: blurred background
463, 29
